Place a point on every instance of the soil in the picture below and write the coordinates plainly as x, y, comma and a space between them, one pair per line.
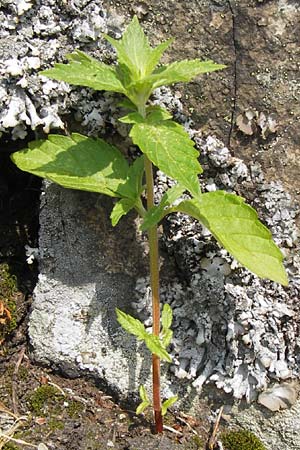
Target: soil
58, 412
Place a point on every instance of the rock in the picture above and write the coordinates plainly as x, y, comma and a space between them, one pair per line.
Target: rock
280, 396
231, 330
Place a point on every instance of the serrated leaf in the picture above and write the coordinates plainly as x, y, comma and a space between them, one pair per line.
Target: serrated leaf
182, 71
131, 325
75, 162
155, 346
83, 70
167, 404
169, 147
126, 103
143, 394
157, 114
166, 316
166, 337
142, 406
135, 327
237, 228
155, 214
134, 51
154, 115
121, 208
133, 186
133, 117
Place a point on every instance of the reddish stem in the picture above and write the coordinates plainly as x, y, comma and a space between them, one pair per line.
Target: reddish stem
154, 277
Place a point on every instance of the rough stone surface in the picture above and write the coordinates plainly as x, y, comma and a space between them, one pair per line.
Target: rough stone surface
231, 330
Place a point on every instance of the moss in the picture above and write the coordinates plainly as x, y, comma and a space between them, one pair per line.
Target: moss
198, 441
75, 408
10, 446
8, 296
55, 424
43, 397
241, 440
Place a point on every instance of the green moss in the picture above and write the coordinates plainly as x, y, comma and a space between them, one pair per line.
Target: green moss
55, 424
10, 446
241, 440
43, 397
8, 296
75, 408
198, 441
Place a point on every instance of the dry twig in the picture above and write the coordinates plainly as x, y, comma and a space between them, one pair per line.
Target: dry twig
212, 439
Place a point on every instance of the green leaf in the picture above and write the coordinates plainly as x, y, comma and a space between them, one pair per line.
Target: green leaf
131, 325
134, 51
121, 208
133, 117
133, 186
126, 103
142, 406
166, 316
169, 147
75, 162
166, 321
237, 228
156, 213
143, 394
155, 346
182, 71
166, 337
135, 327
83, 70
157, 114
167, 404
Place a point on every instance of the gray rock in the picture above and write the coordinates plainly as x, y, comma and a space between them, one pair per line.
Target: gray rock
230, 329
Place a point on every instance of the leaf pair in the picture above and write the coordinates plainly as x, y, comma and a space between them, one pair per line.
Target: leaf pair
136, 327
135, 75
146, 402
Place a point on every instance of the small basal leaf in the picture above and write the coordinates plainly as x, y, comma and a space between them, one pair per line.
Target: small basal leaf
237, 228
166, 321
184, 70
131, 325
166, 337
166, 316
169, 147
83, 70
167, 404
142, 406
136, 327
143, 394
155, 214
75, 162
121, 208
155, 346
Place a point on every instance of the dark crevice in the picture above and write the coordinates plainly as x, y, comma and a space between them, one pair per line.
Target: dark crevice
235, 45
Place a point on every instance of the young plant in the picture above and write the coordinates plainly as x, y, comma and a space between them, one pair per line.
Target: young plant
80, 162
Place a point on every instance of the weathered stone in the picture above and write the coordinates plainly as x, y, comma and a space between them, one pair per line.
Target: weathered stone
230, 328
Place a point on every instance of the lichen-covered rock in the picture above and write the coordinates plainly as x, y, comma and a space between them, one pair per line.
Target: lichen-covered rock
231, 330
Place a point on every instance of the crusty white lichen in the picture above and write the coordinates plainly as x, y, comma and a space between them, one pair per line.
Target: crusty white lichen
33, 36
